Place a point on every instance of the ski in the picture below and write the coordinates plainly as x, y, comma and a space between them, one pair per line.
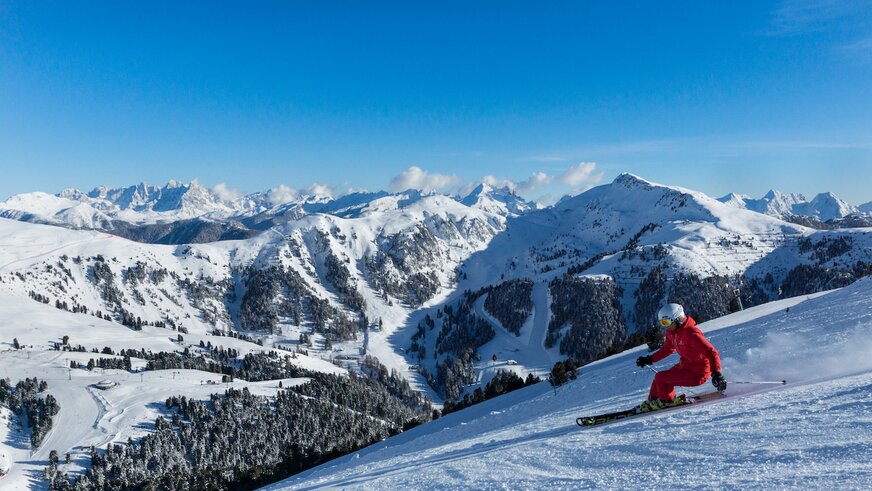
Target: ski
681, 401
706, 396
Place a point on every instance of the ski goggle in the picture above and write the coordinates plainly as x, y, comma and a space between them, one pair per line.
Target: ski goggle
665, 322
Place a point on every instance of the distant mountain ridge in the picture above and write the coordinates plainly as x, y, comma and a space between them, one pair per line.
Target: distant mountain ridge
823, 207
179, 213
501, 201
191, 213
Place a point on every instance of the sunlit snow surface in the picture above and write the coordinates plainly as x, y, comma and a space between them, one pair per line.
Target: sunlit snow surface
815, 432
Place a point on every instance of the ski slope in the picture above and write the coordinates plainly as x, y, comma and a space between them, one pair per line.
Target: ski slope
813, 433
527, 351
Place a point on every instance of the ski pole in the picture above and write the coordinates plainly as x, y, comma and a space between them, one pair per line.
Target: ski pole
649, 367
782, 382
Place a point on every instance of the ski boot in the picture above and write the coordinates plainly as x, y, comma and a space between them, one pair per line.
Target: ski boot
657, 404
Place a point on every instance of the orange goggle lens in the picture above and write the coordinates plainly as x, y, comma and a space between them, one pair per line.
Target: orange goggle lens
665, 322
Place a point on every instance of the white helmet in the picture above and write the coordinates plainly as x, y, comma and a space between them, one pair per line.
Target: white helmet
670, 313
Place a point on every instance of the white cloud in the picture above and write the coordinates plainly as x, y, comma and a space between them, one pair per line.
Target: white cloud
321, 190
534, 182
282, 194
344, 188
579, 177
545, 198
499, 183
417, 178
285, 194
582, 176
225, 193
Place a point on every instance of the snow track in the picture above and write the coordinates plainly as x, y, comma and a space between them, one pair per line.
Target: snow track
527, 350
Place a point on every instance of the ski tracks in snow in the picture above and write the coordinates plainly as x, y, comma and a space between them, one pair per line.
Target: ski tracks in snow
530, 344
107, 417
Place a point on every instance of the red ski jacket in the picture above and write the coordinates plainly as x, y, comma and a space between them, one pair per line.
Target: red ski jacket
696, 352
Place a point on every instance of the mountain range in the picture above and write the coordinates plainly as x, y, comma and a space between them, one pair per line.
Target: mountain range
823, 207
179, 213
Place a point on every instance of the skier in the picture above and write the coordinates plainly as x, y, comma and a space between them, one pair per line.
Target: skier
699, 359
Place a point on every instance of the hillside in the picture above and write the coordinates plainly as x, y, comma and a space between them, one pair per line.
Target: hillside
90, 416
811, 433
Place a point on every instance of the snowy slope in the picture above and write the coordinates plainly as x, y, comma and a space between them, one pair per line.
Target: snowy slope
812, 433
90, 416
384, 243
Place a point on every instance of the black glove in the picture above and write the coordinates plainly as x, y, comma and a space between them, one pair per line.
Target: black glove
644, 360
719, 381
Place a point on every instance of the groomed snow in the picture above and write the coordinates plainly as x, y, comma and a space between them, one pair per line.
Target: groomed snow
813, 433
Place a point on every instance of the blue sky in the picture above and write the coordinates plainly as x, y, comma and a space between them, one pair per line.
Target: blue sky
551, 97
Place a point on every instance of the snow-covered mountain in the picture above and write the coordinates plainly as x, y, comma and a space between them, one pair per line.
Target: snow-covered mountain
579, 276
811, 433
824, 206
119, 209
634, 215
183, 213
502, 201
626, 228
773, 203
321, 275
